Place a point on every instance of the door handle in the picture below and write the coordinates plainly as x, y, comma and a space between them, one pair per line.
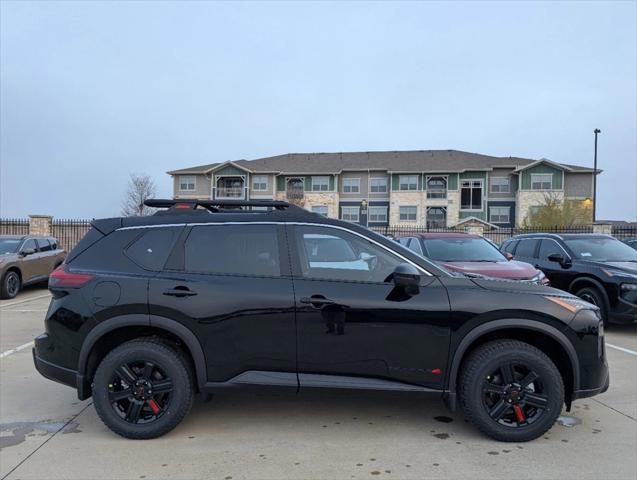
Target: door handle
180, 292
317, 301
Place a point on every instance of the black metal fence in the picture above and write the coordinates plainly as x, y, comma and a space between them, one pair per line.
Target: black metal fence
14, 226
624, 231
69, 231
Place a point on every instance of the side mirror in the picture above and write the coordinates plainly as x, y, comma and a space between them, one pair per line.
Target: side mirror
508, 256
407, 278
559, 258
27, 251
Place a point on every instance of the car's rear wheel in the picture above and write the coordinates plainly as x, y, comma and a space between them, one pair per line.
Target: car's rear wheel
10, 284
594, 296
143, 388
511, 391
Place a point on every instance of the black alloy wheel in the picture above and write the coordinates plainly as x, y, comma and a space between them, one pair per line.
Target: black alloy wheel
510, 390
594, 296
143, 388
10, 285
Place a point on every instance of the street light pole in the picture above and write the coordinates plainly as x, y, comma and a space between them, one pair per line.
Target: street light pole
596, 131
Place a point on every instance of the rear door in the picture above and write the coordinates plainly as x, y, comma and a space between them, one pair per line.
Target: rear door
558, 276
526, 250
47, 257
231, 285
29, 264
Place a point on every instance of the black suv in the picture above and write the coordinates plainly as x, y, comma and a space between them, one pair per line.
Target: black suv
597, 268
147, 311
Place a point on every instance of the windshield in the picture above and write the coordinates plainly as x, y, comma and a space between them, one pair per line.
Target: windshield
9, 245
601, 249
462, 250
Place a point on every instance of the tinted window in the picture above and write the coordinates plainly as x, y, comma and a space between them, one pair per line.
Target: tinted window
54, 243
233, 250
526, 248
29, 244
601, 249
414, 244
328, 253
509, 246
151, 250
43, 244
549, 247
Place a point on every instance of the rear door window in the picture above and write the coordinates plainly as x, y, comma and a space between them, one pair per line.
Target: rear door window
526, 248
233, 250
44, 244
151, 250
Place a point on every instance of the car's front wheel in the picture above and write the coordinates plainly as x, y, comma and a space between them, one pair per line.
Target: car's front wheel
10, 284
594, 296
511, 391
143, 388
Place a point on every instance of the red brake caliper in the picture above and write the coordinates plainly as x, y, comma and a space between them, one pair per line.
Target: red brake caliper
153, 406
519, 414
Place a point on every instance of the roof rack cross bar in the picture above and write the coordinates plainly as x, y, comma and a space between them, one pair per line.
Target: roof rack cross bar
217, 206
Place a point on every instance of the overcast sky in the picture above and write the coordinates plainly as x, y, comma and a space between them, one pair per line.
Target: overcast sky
92, 91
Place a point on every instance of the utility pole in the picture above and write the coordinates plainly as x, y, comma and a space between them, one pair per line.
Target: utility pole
596, 131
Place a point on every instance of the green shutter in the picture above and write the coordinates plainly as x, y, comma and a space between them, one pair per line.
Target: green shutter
331, 183
308, 184
420, 187
394, 182
280, 184
452, 182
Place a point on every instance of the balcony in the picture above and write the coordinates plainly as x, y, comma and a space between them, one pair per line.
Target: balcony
294, 194
230, 193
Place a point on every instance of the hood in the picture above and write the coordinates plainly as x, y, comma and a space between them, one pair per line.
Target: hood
630, 267
519, 287
512, 270
9, 257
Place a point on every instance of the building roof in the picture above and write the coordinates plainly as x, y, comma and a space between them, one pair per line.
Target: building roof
393, 161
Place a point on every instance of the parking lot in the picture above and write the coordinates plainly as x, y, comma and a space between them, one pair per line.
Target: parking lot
46, 432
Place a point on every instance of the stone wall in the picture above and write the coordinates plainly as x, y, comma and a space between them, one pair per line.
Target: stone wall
398, 199
527, 199
329, 199
40, 225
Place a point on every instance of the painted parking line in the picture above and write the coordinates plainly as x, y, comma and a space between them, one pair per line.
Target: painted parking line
15, 350
2, 305
622, 349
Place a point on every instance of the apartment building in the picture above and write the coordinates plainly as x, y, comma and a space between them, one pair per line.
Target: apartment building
438, 188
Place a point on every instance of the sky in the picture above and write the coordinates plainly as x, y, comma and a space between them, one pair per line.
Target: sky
93, 91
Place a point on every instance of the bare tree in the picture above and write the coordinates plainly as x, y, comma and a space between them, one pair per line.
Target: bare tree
140, 188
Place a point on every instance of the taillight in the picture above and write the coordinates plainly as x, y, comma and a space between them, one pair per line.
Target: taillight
60, 278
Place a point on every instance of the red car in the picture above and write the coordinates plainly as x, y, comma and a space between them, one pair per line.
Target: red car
471, 254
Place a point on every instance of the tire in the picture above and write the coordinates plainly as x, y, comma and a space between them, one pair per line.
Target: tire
11, 284
142, 401
485, 395
594, 296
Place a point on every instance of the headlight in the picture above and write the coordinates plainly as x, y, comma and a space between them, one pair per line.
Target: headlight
620, 274
572, 304
629, 286
539, 278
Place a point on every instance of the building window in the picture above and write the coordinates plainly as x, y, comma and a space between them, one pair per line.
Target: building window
436, 217
351, 214
377, 214
436, 187
499, 214
378, 185
471, 195
408, 213
259, 182
320, 184
541, 181
408, 182
187, 182
351, 185
500, 185
320, 209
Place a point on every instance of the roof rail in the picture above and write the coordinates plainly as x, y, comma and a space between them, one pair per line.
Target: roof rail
216, 206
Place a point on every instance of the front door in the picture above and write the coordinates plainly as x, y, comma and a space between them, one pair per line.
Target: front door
559, 276
350, 322
31, 265
231, 285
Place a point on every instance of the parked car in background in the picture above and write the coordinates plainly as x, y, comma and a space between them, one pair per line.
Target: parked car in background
631, 242
146, 311
597, 268
26, 259
471, 254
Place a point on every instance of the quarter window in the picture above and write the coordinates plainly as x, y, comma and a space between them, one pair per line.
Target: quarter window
351, 214
351, 185
151, 250
378, 214
378, 185
500, 184
320, 184
408, 182
499, 214
471, 195
233, 250
259, 182
541, 181
330, 254
408, 213
414, 245
186, 182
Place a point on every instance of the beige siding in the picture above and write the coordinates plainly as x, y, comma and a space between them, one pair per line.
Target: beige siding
269, 193
376, 195
202, 187
578, 185
362, 191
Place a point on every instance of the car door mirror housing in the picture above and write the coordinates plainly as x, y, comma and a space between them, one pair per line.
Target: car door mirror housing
559, 258
27, 251
407, 277
508, 256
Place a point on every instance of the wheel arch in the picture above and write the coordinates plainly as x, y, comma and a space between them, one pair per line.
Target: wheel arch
546, 337
583, 281
113, 331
